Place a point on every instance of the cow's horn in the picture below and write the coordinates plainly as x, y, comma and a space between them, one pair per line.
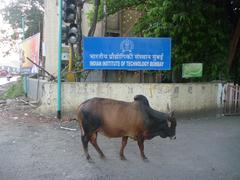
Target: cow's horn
172, 113
168, 109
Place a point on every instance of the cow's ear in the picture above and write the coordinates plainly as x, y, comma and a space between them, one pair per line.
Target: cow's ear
172, 114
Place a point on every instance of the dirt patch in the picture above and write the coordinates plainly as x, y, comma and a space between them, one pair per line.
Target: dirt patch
18, 110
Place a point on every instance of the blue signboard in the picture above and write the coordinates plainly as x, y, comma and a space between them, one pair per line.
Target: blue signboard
127, 53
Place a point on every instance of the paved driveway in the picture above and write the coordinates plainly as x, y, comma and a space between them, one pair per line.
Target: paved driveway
34, 147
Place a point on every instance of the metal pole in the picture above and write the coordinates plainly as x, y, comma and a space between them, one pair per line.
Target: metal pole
70, 58
105, 16
25, 86
104, 72
59, 58
79, 24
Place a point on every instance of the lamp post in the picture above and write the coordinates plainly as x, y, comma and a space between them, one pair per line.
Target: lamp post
25, 85
59, 91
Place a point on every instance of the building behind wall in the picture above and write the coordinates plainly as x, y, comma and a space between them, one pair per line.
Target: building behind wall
118, 24
50, 38
50, 35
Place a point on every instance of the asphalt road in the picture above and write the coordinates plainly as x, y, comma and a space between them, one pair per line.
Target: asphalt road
3, 80
35, 148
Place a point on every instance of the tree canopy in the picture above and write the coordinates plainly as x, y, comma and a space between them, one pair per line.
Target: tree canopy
31, 11
200, 30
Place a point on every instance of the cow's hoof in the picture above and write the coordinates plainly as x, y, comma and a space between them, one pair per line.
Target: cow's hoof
145, 159
89, 159
103, 157
123, 158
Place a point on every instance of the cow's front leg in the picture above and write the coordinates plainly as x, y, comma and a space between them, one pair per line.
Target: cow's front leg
124, 143
140, 141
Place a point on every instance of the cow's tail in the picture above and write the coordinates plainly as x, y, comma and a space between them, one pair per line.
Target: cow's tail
80, 120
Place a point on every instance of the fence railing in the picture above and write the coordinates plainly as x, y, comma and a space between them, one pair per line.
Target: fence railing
231, 100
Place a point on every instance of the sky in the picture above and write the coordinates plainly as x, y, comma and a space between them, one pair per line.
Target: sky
13, 58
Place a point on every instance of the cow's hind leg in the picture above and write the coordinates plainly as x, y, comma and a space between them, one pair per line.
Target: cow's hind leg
93, 141
124, 143
85, 140
140, 141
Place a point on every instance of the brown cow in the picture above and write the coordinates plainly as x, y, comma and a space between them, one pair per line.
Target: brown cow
114, 119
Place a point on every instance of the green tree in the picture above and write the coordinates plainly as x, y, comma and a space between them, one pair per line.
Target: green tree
31, 11
200, 30
113, 6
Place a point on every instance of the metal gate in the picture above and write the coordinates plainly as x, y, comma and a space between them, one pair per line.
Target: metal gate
231, 100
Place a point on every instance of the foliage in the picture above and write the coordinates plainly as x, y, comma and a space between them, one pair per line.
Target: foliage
30, 10
15, 90
8, 41
113, 6
95, 18
200, 30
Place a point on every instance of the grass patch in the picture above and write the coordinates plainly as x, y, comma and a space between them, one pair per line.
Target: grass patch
15, 90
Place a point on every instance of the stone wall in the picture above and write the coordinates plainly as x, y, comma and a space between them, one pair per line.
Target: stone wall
183, 98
